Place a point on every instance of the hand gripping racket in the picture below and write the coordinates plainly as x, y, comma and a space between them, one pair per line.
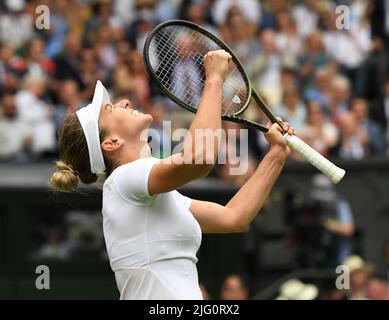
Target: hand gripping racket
173, 55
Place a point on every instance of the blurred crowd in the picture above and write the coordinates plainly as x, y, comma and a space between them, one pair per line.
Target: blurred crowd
331, 83
359, 280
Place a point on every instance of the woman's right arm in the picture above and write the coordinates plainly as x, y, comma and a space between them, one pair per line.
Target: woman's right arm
198, 155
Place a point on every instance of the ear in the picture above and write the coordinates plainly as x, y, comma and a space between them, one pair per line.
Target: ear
111, 143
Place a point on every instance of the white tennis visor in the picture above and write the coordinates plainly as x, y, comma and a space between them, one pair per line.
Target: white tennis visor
89, 119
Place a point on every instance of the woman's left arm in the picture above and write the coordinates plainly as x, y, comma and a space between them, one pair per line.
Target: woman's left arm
248, 201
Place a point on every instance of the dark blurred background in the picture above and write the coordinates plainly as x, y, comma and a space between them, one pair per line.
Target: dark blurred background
331, 83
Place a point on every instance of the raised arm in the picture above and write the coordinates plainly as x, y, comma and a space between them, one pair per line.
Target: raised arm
248, 201
190, 164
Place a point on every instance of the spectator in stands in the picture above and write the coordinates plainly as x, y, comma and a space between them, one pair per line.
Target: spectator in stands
305, 13
354, 139
294, 289
69, 101
103, 16
350, 49
337, 219
377, 289
122, 81
287, 39
360, 272
312, 58
196, 12
89, 73
143, 23
59, 26
266, 68
166, 10
250, 8
339, 97
104, 49
68, 62
139, 78
240, 35
37, 113
271, 9
123, 51
11, 68
292, 109
15, 135
319, 132
320, 89
235, 287
36, 62
375, 134
16, 26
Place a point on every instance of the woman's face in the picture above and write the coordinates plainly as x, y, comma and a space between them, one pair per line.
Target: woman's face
122, 120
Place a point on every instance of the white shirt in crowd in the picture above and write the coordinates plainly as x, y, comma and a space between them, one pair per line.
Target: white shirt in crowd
348, 48
36, 113
16, 29
250, 8
151, 240
306, 20
12, 136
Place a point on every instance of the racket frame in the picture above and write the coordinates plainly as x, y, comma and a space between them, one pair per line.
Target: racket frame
222, 45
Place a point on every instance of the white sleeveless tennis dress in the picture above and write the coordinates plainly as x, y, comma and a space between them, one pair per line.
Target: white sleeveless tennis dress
151, 240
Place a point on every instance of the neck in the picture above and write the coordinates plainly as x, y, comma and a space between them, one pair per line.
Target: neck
130, 152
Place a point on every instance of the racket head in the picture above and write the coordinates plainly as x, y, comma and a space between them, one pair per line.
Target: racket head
182, 44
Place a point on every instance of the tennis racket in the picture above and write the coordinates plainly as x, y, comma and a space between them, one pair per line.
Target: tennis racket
173, 56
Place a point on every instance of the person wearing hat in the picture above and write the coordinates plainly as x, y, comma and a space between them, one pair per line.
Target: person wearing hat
360, 272
151, 231
294, 289
337, 220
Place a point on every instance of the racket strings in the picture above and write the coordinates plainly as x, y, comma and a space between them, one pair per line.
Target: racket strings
180, 68
203, 49
166, 67
198, 59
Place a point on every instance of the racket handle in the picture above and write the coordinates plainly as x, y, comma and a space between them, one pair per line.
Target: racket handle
315, 158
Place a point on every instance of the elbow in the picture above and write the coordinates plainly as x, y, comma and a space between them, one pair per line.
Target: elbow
237, 226
239, 229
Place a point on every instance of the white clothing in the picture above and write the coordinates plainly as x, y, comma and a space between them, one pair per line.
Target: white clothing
251, 9
306, 20
16, 29
349, 49
151, 240
13, 132
36, 113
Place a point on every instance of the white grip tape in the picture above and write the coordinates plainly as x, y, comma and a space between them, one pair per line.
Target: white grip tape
315, 158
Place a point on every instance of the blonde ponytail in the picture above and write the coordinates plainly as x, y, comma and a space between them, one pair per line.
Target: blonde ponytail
65, 179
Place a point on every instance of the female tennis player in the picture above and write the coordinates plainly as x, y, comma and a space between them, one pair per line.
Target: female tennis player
152, 232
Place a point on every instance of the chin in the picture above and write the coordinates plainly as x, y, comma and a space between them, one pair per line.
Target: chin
148, 118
